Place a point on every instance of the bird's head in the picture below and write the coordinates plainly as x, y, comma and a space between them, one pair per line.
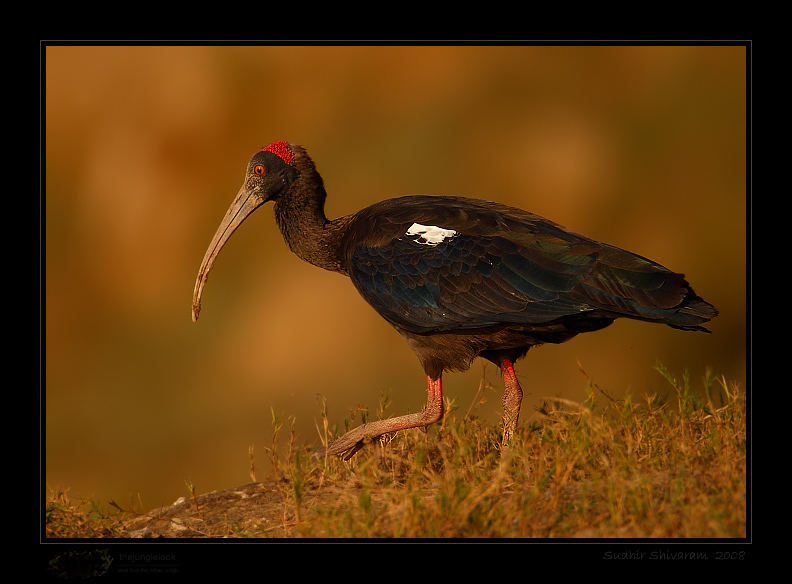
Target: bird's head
270, 173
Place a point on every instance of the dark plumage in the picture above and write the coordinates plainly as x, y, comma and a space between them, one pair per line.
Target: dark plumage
458, 278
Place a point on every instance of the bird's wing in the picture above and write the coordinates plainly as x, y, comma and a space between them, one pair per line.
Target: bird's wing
468, 265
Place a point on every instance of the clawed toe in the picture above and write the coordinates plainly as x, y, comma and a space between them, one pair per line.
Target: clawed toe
347, 445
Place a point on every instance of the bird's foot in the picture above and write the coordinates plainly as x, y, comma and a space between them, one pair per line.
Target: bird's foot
347, 445
357, 438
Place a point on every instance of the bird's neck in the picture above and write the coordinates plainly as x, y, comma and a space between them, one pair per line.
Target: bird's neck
308, 233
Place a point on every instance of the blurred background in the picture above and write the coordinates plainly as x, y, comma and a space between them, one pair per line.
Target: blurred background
640, 147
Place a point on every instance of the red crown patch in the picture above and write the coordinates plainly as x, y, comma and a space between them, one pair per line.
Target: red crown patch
280, 149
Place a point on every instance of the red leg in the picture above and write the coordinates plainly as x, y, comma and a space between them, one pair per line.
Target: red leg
355, 439
512, 398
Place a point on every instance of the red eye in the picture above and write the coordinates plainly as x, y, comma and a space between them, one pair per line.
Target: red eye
259, 170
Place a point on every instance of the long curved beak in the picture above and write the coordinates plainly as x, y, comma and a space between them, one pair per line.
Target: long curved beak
244, 204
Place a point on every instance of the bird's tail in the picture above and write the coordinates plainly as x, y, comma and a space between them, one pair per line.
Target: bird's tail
692, 313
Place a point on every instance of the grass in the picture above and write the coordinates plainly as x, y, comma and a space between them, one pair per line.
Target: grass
67, 517
658, 467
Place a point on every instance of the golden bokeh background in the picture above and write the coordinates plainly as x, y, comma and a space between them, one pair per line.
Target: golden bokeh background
641, 147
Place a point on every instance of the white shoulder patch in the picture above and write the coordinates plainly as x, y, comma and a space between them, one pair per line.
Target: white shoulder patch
430, 234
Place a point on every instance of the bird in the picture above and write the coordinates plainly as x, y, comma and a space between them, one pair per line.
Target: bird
457, 277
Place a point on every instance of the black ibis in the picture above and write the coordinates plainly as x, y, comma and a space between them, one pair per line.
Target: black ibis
458, 278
